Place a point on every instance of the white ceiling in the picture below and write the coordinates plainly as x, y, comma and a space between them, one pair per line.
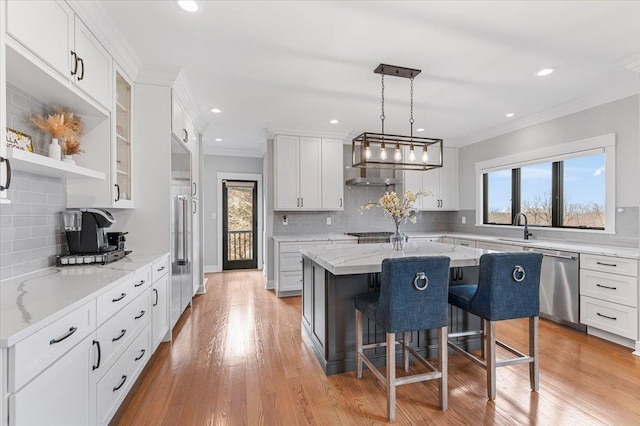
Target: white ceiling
274, 65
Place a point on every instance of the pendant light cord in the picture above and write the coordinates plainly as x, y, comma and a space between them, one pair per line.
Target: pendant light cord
411, 118
382, 117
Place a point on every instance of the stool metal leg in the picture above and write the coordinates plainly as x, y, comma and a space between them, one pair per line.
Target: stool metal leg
391, 376
534, 368
359, 352
444, 366
405, 352
490, 346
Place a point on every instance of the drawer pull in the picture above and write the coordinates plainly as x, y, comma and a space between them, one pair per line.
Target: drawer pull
464, 244
160, 269
155, 291
122, 380
605, 316
140, 283
95, 367
606, 264
122, 333
139, 357
606, 286
64, 336
122, 296
140, 316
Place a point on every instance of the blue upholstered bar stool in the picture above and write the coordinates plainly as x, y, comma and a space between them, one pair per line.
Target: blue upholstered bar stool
508, 287
413, 297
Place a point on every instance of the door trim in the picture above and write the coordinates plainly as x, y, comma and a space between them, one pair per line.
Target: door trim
238, 176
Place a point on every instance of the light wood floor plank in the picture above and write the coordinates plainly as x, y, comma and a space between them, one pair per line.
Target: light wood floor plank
237, 357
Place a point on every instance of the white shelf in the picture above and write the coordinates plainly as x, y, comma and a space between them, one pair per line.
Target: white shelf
122, 138
122, 172
121, 107
29, 162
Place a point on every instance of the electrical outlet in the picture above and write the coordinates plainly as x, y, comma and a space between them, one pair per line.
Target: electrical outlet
464, 220
285, 222
328, 221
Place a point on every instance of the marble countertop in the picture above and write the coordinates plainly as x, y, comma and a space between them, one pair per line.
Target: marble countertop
32, 301
315, 237
367, 258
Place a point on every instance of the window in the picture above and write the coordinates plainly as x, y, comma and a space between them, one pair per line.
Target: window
569, 193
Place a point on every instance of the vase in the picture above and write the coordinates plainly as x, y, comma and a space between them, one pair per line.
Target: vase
69, 159
54, 149
397, 240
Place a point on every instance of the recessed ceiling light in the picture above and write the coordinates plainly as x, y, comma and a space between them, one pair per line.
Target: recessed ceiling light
509, 115
215, 110
420, 130
218, 140
545, 71
334, 121
189, 5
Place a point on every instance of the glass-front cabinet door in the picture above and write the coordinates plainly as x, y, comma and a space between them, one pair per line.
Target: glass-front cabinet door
123, 181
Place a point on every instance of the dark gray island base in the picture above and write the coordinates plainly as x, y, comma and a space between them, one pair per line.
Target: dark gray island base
328, 318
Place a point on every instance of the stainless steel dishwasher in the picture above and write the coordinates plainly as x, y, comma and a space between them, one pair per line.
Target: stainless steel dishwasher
560, 287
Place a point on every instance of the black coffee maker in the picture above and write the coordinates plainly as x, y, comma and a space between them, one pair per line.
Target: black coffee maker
86, 231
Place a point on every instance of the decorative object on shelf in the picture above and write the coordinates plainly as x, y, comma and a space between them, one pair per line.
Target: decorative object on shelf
65, 126
68, 159
371, 149
19, 140
400, 211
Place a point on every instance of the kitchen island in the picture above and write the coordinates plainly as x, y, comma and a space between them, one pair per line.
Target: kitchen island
332, 277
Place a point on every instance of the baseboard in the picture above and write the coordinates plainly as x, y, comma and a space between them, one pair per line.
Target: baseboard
271, 284
209, 269
202, 287
623, 341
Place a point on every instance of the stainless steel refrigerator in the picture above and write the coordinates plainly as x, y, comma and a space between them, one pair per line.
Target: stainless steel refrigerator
181, 232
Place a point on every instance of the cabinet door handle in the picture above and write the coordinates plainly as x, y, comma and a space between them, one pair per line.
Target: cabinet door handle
605, 316
139, 357
606, 286
95, 367
122, 333
140, 283
75, 63
155, 303
117, 299
301, 201
139, 315
606, 264
8, 181
117, 192
195, 206
195, 188
82, 70
340, 202
122, 380
185, 134
64, 336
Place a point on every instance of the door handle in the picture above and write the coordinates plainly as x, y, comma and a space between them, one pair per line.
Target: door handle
8, 179
82, 70
301, 202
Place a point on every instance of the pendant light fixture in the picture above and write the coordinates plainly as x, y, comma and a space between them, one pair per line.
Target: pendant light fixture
366, 145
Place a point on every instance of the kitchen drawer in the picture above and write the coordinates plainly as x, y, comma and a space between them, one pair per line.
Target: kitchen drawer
290, 281
115, 385
291, 261
465, 243
118, 297
610, 287
159, 268
498, 247
30, 356
424, 239
611, 317
447, 240
344, 242
615, 265
120, 329
296, 246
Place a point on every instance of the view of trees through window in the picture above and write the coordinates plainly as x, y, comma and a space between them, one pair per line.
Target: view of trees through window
240, 222
581, 193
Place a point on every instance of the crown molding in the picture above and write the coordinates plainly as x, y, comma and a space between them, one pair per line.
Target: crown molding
184, 92
341, 134
159, 75
210, 149
564, 109
631, 62
93, 14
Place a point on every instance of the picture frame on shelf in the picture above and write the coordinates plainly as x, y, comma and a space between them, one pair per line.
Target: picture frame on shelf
19, 140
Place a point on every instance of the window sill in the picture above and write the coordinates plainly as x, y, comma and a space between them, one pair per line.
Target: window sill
539, 228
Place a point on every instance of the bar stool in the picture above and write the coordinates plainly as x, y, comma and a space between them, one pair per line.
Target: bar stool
413, 296
508, 288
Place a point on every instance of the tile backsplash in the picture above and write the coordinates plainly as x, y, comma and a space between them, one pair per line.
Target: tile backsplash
21, 107
31, 231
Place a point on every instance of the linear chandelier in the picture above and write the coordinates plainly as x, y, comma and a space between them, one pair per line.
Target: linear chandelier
385, 151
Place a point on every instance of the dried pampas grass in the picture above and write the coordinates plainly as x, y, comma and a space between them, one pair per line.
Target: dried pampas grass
63, 125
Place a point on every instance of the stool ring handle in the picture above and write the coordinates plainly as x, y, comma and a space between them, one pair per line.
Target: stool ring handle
419, 277
518, 274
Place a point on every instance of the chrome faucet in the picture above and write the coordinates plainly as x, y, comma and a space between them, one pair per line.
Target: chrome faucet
527, 234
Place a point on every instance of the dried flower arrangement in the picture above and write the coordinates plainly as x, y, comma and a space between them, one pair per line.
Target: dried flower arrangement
63, 125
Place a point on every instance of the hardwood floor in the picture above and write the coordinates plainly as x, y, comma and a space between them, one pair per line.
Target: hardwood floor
238, 358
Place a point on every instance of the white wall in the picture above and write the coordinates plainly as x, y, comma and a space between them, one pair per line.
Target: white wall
212, 165
619, 117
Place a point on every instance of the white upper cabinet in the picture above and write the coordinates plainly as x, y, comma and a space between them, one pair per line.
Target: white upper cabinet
332, 175
51, 31
122, 150
286, 170
310, 173
442, 182
177, 112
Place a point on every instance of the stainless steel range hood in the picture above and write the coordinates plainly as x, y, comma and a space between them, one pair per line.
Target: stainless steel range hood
375, 177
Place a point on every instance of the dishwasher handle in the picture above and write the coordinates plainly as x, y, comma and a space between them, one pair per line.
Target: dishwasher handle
557, 256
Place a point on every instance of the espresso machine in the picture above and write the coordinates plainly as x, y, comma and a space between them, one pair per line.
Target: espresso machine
87, 237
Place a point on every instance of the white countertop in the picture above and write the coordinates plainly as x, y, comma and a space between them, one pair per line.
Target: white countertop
32, 301
316, 237
367, 258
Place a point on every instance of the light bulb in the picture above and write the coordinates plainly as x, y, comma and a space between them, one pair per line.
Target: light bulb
412, 154
425, 156
397, 156
367, 153
383, 154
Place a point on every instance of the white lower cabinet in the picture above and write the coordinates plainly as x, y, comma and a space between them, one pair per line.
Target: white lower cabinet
498, 247
160, 309
62, 395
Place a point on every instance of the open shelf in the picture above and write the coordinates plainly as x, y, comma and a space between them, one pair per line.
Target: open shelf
29, 162
121, 107
122, 172
122, 138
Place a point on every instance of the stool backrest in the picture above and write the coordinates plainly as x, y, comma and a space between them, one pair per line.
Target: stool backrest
508, 286
413, 293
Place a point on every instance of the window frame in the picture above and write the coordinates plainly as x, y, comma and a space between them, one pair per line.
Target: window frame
555, 155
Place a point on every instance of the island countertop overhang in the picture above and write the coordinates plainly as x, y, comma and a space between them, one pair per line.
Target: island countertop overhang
367, 258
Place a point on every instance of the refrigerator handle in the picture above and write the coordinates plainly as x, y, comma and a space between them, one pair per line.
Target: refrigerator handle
185, 237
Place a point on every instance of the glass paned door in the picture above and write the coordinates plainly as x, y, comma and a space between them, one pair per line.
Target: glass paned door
123, 140
240, 225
